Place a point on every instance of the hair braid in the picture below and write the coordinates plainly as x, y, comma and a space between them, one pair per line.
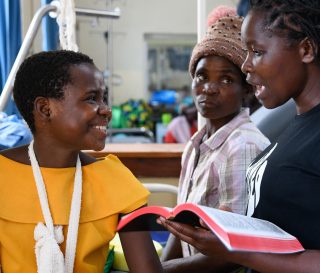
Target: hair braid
292, 19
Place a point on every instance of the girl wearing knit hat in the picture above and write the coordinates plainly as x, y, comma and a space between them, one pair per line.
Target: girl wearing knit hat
283, 44
214, 161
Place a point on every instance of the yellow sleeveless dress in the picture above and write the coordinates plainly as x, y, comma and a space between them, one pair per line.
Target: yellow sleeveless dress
109, 189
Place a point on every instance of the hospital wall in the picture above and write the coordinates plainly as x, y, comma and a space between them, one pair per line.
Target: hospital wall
125, 51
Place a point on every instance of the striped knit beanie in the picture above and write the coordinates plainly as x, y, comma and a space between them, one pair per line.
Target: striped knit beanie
223, 38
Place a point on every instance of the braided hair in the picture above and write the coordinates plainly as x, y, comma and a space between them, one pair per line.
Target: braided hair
291, 19
44, 75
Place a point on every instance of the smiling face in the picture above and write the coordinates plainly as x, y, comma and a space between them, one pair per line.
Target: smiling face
272, 66
78, 121
218, 89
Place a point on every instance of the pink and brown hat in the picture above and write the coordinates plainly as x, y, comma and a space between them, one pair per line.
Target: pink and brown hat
223, 38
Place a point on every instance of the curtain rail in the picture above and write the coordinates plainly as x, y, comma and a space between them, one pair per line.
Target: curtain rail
98, 13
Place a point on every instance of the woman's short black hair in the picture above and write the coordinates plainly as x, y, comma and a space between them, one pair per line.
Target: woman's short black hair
292, 19
44, 75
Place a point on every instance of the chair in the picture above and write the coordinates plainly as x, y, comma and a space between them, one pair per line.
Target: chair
158, 187
161, 236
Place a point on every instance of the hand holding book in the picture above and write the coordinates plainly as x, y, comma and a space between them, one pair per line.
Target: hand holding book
201, 238
236, 232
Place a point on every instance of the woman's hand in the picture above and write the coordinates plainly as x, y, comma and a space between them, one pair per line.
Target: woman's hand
200, 237
209, 244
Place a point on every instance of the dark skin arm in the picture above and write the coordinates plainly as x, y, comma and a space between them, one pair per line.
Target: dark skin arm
172, 249
139, 252
207, 243
196, 263
173, 261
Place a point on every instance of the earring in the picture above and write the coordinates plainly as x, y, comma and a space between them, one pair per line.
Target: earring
204, 90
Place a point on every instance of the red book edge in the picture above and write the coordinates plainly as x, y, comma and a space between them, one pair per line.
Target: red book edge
262, 244
239, 242
242, 242
222, 234
171, 213
161, 211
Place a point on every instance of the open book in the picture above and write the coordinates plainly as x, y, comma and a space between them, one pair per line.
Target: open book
237, 232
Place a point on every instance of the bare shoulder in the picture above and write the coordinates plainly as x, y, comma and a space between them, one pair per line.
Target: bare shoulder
18, 154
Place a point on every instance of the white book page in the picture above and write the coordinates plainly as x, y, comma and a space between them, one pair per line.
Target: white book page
236, 223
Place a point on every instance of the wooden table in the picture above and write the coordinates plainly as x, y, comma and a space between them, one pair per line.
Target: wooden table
147, 160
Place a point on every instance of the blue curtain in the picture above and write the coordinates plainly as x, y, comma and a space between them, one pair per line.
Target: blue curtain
49, 31
10, 41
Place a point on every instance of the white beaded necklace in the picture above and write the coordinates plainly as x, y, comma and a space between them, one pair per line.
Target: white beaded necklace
48, 254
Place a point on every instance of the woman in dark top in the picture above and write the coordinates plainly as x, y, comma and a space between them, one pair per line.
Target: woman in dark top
282, 39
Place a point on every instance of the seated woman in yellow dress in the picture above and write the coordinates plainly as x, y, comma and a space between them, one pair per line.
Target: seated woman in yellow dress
59, 207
